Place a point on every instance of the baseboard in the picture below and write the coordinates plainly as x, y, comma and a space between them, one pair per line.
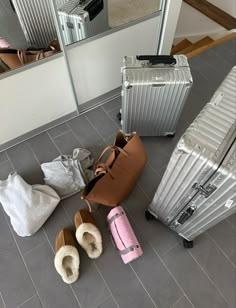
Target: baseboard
98, 101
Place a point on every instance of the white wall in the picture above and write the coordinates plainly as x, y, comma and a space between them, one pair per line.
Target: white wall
33, 98
229, 6
193, 23
96, 65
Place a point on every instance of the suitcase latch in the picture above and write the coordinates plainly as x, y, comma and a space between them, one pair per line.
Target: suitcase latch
205, 191
186, 215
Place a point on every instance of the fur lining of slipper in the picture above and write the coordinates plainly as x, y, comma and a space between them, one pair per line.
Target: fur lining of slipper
89, 237
67, 263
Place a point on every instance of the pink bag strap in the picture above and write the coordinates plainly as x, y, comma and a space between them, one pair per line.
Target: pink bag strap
113, 148
103, 169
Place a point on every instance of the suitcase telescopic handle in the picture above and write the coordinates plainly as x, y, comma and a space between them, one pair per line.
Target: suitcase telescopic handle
158, 59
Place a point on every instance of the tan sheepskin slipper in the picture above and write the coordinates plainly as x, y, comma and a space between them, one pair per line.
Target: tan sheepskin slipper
87, 234
67, 259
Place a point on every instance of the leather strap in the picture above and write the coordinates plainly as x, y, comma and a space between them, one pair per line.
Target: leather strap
114, 149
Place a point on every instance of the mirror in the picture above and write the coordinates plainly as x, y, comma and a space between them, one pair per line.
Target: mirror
28, 32
81, 19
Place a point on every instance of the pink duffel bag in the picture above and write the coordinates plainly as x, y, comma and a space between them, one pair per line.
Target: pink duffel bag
123, 235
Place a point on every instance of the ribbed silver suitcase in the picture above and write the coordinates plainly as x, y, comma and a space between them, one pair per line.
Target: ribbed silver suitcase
198, 189
80, 20
154, 90
36, 19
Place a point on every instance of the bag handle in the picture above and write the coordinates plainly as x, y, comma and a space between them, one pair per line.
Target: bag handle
113, 148
164, 59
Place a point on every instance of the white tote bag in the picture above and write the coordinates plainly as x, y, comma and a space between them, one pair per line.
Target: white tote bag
27, 206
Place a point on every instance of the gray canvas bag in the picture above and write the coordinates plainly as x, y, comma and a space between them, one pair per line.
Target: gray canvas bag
68, 174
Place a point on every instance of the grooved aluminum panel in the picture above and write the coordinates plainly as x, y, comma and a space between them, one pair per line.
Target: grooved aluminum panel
36, 20
198, 156
153, 96
221, 204
75, 21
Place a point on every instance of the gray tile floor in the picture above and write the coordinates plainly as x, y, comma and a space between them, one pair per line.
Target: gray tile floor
167, 275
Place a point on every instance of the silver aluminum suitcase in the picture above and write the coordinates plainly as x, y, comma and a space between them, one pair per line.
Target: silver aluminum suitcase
154, 90
36, 19
82, 20
198, 189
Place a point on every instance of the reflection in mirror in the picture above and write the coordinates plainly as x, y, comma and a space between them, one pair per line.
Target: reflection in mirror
81, 19
27, 32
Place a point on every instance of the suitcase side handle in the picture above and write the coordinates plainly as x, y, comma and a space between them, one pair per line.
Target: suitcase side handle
164, 59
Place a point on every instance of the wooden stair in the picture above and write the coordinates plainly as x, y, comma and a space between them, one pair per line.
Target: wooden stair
200, 46
181, 46
205, 41
213, 12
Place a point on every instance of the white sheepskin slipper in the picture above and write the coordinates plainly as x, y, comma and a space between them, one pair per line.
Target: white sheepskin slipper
67, 263
87, 234
67, 260
90, 239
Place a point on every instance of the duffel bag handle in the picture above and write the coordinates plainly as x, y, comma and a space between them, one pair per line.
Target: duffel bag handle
163, 59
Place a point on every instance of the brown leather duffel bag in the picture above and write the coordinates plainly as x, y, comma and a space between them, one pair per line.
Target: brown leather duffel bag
116, 176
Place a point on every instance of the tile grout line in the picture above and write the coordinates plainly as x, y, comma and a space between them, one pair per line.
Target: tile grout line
113, 107
108, 115
111, 295
97, 306
59, 134
217, 245
205, 273
3, 162
26, 301
23, 261
2, 299
106, 285
103, 139
70, 286
140, 281
50, 137
10, 162
150, 244
46, 233
184, 294
172, 306
169, 271
231, 224
36, 247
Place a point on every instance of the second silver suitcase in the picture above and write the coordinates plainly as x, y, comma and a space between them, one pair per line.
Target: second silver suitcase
36, 19
82, 19
198, 189
154, 90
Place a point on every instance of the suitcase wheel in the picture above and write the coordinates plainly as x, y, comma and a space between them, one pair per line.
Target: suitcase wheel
149, 216
119, 116
187, 244
170, 135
